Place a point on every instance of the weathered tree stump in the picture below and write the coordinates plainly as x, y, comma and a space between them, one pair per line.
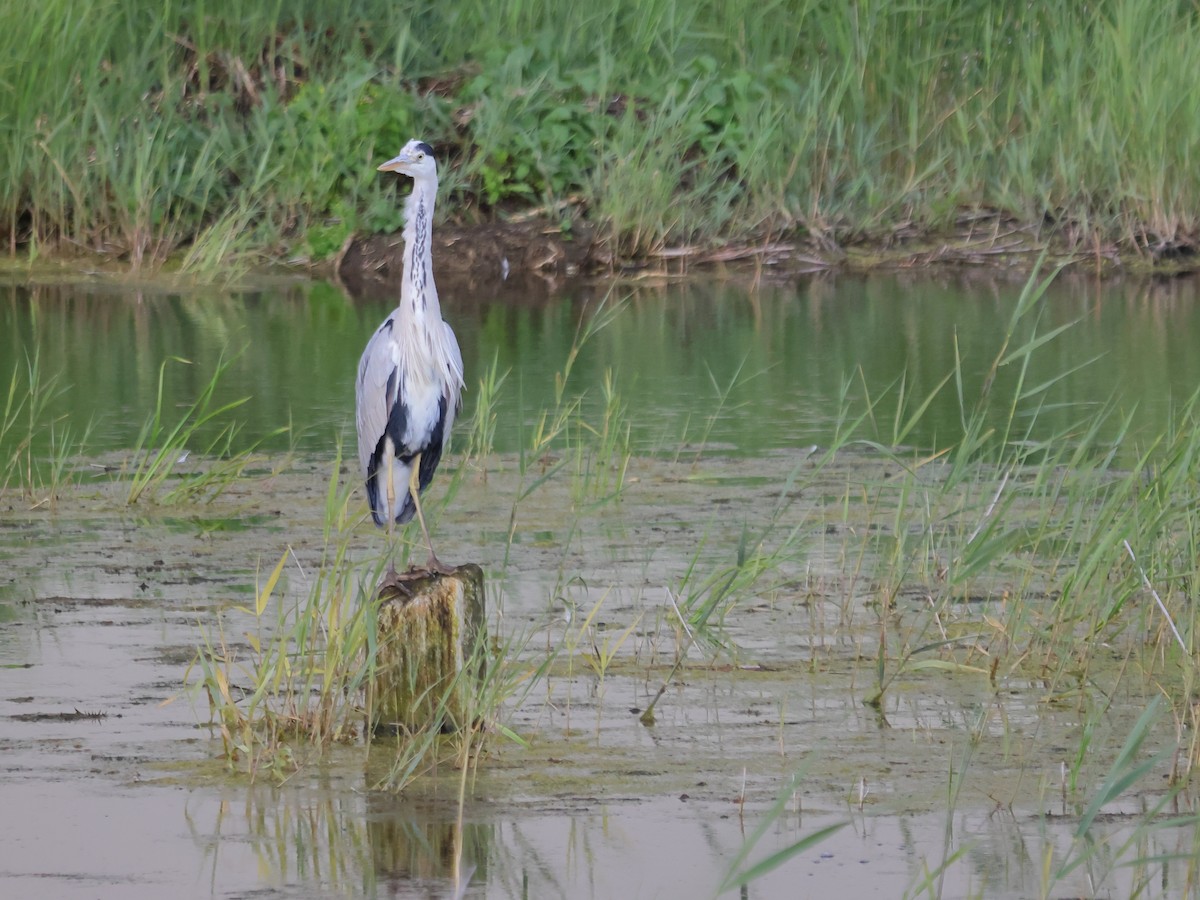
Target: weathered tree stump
430, 655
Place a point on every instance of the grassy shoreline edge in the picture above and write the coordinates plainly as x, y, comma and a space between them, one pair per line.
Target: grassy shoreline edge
205, 136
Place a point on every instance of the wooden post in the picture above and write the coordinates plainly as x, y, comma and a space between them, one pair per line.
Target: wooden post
431, 627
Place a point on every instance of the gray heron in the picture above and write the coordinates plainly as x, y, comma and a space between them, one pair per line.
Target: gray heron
410, 377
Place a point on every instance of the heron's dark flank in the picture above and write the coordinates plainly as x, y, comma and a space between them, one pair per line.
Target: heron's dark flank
410, 377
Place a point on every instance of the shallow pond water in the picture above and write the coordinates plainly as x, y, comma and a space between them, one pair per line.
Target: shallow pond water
116, 773
749, 368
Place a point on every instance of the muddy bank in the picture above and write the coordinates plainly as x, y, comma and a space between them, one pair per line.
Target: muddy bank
538, 257
540, 254
531, 258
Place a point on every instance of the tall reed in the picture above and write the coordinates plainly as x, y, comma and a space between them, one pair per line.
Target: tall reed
241, 134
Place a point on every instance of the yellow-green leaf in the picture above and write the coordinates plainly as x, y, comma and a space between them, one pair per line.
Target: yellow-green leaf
945, 665
264, 595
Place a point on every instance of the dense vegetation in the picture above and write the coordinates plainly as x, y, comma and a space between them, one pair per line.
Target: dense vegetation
230, 130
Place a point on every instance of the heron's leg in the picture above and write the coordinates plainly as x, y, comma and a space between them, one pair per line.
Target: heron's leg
391, 494
414, 488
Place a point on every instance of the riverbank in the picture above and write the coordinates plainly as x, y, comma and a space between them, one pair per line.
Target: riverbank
657, 135
536, 250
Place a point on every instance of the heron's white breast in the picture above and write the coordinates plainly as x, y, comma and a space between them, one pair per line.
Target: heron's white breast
420, 386
422, 398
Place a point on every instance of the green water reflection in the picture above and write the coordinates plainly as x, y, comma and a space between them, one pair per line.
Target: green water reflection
744, 369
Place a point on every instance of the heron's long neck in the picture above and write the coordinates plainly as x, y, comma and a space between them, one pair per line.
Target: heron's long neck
418, 296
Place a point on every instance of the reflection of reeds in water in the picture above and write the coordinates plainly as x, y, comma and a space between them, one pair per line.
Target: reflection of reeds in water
316, 839
410, 841
326, 840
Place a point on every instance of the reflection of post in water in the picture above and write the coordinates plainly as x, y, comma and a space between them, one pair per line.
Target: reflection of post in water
410, 840
429, 661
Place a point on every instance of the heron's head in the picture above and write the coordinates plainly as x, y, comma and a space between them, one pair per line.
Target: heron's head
415, 160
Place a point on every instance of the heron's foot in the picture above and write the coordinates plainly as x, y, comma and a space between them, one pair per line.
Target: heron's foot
435, 566
395, 585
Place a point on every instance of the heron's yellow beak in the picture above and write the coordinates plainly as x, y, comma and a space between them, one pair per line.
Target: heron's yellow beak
393, 165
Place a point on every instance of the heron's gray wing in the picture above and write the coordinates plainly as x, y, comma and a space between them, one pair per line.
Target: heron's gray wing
376, 371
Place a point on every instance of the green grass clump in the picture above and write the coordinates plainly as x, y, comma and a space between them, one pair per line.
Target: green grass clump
236, 133
300, 678
295, 683
41, 446
163, 445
